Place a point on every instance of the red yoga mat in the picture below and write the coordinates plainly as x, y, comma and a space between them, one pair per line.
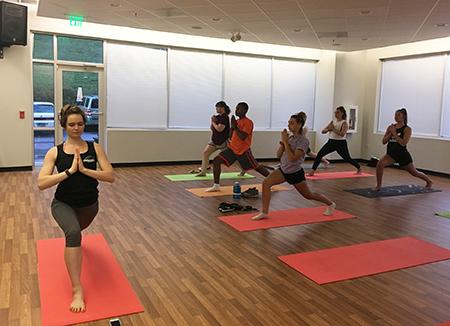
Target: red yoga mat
107, 292
337, 175
447, 323
244, 222
344, 263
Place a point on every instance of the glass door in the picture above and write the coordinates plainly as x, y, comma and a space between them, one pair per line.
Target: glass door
82, 86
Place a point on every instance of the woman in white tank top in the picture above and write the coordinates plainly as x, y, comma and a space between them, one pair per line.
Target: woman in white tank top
337, 142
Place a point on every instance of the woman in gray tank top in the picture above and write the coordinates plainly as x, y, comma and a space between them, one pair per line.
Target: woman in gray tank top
292, 153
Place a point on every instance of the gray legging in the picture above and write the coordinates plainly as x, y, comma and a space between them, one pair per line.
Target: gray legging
72, 220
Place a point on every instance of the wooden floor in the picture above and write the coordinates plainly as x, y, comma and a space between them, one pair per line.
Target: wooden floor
188, 268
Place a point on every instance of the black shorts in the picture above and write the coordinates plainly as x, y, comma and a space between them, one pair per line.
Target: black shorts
401, 157
246, 160
294, 178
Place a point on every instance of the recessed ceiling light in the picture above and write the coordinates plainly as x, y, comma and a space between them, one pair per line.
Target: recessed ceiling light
297, 30
115, 5
216, 19
364, 39
441, 25
365, 12
336, 44
197, 27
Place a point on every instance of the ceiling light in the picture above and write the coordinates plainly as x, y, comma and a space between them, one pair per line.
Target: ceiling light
364, 39
297, 30
441, 25
115, 5
336, 44
365, 12
197, 27
216, 19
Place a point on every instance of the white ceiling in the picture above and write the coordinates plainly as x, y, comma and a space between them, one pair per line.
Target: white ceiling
307, 23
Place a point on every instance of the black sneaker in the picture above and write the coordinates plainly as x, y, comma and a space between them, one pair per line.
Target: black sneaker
250, 193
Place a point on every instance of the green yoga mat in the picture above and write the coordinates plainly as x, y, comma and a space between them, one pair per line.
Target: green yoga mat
443, 214
209, 176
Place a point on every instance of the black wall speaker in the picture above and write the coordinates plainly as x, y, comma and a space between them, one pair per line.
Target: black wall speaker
13, 24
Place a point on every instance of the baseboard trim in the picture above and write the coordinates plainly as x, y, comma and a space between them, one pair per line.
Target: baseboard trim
16, 168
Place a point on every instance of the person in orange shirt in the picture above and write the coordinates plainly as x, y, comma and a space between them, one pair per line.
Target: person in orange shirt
238, 148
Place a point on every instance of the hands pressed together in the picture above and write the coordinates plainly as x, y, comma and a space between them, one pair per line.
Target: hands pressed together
77, 163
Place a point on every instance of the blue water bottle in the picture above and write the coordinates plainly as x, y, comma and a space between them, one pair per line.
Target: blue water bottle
237, 190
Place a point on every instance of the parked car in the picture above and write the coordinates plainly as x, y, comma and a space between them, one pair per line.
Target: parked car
90, 108
43, 114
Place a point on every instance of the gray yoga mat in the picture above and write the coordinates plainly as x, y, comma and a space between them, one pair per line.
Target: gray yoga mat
392, 191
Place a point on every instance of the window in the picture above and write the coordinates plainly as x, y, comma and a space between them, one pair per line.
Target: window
136, 86
293, 91
248, 79
417, 85
195, 88
43, 82
80, 49
43, 47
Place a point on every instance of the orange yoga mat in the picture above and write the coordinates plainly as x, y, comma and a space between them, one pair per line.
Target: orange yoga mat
244, 222
228, 190
106, 289
349, 262
337, 175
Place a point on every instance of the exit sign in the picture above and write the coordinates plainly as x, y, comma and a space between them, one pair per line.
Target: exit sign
76, 21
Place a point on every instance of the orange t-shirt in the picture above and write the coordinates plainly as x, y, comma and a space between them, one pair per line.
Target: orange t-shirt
237, 145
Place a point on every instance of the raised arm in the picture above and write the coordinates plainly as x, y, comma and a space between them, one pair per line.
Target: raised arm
328, 128
406, 137
341, 132
387, 135
106, 172
46, 178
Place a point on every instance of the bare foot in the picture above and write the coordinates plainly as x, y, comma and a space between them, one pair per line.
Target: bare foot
311, 173
428, 185
376, 189
325, 164
77, 304
359, 171
260, 216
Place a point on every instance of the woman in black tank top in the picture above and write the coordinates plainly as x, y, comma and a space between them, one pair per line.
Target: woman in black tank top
76, 198
397, 136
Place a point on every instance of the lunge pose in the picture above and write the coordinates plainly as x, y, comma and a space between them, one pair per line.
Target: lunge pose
76, 198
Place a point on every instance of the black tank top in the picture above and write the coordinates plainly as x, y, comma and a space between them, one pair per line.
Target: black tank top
393, 145
79, 190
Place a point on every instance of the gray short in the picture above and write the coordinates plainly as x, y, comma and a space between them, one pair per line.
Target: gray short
220, 147
72, 220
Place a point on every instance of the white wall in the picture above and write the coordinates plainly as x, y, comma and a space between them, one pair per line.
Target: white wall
150, 145
349, 89
345, 78
428, 153
142, 146
15, 95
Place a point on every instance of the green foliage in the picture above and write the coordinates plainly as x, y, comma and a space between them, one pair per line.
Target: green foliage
80, 49
43, 82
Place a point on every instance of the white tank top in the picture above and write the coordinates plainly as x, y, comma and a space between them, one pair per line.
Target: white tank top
338, 126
